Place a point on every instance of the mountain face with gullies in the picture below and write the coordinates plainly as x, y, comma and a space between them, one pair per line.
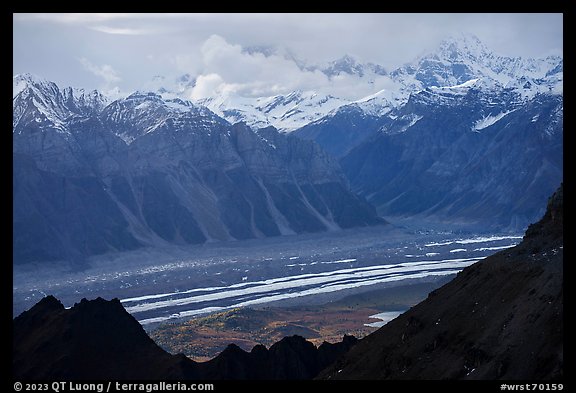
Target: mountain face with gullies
501, 318
460, 137
466, 138
90, 176
470, 157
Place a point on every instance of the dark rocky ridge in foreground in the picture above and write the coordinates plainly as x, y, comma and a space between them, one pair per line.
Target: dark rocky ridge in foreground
501, 318
93, 340
98, 339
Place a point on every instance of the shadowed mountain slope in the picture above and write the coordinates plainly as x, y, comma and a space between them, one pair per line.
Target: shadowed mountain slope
501, 318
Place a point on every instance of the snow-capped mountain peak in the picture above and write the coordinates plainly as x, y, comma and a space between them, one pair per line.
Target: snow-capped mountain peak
21, 82
45, 103
464, 57
284, 112
54, 103
463, 46
351, 66
346, 64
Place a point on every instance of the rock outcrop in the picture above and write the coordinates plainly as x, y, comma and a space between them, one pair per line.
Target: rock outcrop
98, 339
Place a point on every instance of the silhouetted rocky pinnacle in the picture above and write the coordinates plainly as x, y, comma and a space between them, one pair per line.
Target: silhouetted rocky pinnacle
93, 340
98, 339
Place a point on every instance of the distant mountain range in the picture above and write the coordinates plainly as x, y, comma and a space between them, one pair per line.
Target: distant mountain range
499, 319
463, 138
91, 177
459, 60
468, 139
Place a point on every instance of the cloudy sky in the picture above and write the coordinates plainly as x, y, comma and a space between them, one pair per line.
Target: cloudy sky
125, 51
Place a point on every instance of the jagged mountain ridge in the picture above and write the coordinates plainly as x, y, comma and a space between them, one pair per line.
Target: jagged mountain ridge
458, 64
464, 57
42, 100
144, 171
98, 339
501, 318
455, 61
287, 112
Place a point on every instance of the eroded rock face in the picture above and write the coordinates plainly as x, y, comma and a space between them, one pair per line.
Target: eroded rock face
484, 159
144, 171
501, 318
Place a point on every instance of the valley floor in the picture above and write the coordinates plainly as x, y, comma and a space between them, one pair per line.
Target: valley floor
297, 284
204, 337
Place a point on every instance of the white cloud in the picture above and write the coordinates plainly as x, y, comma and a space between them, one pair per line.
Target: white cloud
228, 68
121, 30
143, 45
207, 86
105, 72
81, 18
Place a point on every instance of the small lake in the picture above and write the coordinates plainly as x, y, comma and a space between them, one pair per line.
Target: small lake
384, 317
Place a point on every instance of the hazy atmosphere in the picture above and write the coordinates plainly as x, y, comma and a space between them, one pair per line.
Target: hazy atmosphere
270, 53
